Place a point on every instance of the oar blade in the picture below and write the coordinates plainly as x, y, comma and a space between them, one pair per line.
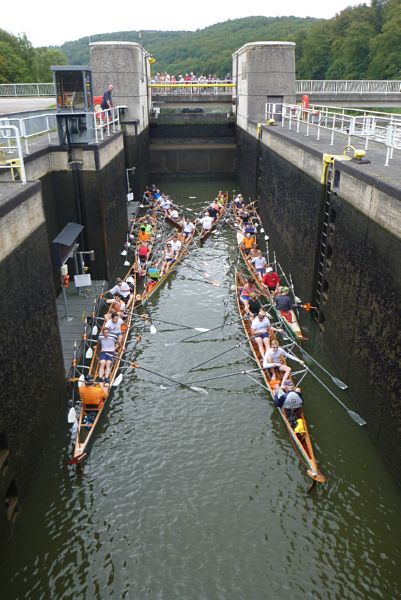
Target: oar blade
89, 353
153, 330
117, 380
95, 330
199, 390
357, 418
168, 344
201, 329
81, 380
339, 383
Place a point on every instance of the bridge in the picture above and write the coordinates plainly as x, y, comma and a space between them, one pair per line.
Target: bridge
347, 92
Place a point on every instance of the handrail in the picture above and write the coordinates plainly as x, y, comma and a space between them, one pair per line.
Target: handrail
348, 86
27, 89
13, 164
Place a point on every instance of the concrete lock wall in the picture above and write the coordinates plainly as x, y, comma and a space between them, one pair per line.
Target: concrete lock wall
33, 384
359, 317
263, 72
126, 66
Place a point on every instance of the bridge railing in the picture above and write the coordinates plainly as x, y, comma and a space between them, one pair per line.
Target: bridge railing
26, 89
350, 86
192, 88
364, 126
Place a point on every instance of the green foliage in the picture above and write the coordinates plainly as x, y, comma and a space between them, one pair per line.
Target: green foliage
43, 59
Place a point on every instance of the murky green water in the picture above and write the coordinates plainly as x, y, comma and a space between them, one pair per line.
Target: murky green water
191, 496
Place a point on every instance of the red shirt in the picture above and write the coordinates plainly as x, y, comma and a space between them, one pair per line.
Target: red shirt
272, 280
143, 250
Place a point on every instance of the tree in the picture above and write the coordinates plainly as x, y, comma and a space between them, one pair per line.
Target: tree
43, 59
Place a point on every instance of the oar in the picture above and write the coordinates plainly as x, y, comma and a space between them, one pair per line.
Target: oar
189, 386
202, 329
245, 372
354, 416
218, 355
191, 337
335, 380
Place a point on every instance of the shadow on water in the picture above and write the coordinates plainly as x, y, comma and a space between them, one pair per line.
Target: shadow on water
193, 496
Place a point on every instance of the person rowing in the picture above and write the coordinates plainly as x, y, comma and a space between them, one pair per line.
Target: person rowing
90, 394
255, 304
175, 243
206, 222
271, 280
238, 201
187, 227
114, 326
261, 329
246, 291
273, 359
221, 197
121, 288
143, 235
247, 243
283, 301
117, 305
166, 204
289, 398
168, 258
259, 263
107, 345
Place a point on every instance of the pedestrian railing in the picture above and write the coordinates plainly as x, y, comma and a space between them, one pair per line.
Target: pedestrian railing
10, 143
351, 125
26, 89
191, 88
350, 86
39, 128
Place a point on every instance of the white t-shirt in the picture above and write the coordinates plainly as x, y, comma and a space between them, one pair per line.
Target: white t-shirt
176, 246
273, 356
207, 222
114, 327
189, 227
122, 289
108, 344
174, 214
260, 263
260, 326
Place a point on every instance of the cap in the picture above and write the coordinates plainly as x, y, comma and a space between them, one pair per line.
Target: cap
88, 379
288, 382
269, 269
284, 289
118, 280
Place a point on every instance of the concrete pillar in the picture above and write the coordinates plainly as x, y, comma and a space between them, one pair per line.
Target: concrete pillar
126, 66
263, 72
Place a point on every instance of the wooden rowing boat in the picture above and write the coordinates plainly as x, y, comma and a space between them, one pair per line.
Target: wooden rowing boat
90, 415
206, 232
290, 321
302, 443
151, 286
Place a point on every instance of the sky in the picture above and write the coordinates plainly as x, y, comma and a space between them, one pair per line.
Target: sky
47, 23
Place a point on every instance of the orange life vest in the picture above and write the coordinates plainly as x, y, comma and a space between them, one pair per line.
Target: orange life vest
92, 394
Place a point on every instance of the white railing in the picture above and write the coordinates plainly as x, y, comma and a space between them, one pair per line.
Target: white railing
10, 142
27, 89
34, 130
192, 88
351, 86
350, 125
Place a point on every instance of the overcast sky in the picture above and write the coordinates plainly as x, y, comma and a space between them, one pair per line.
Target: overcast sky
47, 22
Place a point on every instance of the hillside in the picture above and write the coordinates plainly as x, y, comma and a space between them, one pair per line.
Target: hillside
203, 51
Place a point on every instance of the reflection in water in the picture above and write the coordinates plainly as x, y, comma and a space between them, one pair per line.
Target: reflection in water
193, 496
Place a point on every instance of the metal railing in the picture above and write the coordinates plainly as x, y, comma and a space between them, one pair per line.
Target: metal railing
10, 141
192, 88
351, 86
27, 89
33, 130
364, 126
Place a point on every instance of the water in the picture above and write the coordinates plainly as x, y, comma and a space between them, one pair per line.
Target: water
193, 496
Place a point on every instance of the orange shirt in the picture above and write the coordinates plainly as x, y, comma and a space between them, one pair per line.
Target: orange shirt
143, 236
92, 394
248, 242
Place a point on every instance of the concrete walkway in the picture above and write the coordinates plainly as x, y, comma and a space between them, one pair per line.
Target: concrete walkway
79, 307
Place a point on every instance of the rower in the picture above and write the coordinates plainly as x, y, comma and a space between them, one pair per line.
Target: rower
187, 227
165, 204
259, 263
260, 329
153, 276
254, 304
247, 243
117, 305
221, 198
143, 253
143, 235
121, 288
271, 280
206, 221
174, 215
246, 291
168, 258
283, 301
213, 212
175, 243
273, 360
238, 201
114, 325
91, 395
289, 398
107, 349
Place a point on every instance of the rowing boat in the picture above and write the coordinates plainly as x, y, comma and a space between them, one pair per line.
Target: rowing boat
301, 442
288, 318
152, 285
90, 415
206, 232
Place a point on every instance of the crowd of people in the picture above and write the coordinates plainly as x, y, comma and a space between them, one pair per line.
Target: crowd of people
190, 78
